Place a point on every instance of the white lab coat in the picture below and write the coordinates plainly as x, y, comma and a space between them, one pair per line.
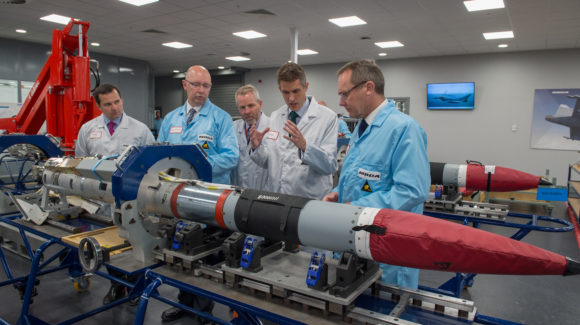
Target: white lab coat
248, 174
307, 174
94, 137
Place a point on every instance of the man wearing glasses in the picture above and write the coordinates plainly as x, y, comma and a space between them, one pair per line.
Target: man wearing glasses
200, 121
299, 147
386, 165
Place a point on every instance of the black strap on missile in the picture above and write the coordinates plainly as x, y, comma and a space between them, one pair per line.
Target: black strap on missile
488, 186
272, 215
373, 229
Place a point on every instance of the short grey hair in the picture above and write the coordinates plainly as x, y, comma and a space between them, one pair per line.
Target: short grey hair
365, 70
249, 88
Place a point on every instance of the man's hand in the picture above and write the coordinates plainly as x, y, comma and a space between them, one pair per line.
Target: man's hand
295, 135
257, 136
331, 197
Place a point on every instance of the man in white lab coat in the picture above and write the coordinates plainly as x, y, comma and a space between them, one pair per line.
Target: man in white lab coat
111, 132
247, 174
299, 147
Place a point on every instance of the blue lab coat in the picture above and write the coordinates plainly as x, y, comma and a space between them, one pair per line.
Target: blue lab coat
343, 128
387, 167
213, 129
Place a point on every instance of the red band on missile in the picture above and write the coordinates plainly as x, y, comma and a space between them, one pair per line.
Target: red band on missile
173, 201
219, 208
419, 241
502, 180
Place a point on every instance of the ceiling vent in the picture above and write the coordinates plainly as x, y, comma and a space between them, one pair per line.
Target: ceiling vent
16, 2
153, 31
260, 12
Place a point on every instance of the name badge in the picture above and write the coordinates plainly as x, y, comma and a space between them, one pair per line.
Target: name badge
95, 134
205, 137
272, 135
370, 175
176, 130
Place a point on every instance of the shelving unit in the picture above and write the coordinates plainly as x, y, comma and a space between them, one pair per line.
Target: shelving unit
574, 188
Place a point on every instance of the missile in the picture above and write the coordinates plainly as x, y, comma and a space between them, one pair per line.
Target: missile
383, 235
484, 178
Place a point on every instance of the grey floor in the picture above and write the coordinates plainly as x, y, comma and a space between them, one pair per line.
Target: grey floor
524, 299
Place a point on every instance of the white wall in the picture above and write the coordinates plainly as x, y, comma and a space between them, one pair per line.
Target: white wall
505, 85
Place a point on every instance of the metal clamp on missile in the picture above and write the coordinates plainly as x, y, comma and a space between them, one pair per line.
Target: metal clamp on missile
317, 277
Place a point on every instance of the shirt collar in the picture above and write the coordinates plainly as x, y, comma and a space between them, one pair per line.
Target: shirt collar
117, 120
371, 117
302, 111
196, 108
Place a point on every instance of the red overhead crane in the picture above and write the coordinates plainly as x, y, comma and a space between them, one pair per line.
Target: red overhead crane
61, 95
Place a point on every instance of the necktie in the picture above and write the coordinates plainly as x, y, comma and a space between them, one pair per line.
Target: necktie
190, 115
362, 127
248, 134
111, 126
293, 117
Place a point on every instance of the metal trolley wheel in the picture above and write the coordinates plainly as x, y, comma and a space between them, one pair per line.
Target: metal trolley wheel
82, 283
90, 254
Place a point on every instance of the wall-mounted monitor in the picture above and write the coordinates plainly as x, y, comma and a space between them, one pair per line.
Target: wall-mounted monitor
456, 95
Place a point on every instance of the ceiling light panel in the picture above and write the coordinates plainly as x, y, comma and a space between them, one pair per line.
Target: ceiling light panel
177, 45
306, 52
477, 5
139, 3
347, 21
249, 34
499, 35
21, 31
237, 58
56, 19
389, 44
502, 46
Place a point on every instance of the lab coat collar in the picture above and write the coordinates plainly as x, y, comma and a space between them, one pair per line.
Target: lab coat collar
382, 112
379, 115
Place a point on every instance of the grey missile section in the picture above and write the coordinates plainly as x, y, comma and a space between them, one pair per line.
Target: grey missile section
444, 174
328, 225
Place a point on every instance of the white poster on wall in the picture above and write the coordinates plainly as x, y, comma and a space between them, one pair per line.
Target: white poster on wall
556, 119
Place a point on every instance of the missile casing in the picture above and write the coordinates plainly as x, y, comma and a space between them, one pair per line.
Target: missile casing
484, 178
383, 235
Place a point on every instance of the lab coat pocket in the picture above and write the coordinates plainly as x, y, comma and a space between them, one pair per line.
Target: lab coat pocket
371, 177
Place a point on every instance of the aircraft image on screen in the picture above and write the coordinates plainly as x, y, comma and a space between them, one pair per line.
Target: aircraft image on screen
454, 95
573, 122
453, 99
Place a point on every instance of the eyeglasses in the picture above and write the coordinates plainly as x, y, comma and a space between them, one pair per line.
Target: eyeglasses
344, 94
198, 84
